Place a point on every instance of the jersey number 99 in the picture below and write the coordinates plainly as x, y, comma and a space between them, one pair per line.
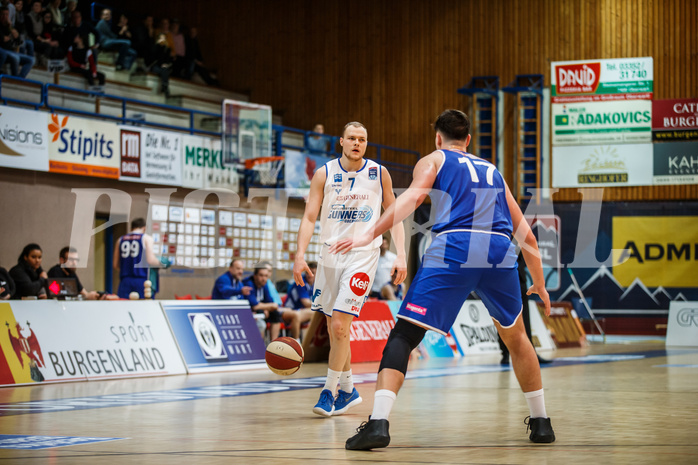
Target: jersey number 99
130, 249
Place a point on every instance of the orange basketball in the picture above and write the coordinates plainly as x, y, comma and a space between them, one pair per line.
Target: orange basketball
284, 356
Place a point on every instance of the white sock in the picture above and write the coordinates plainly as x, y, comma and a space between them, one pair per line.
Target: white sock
332, 380
383, 401
536, 403
346, 382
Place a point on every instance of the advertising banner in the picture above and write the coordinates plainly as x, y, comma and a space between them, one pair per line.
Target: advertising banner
675, 119
150, 156
676, 162
474, 329
602, 123
602, 165
216, 335
598, 80
203, 165
72, 341
682, 326
656, 251
369, 333
84, 147
539, 332
23, 139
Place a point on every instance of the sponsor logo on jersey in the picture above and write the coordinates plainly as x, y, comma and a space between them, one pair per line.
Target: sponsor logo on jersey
338, 177
337, 191
316, 294
345, 214
416, 309
359, 283
344, 198
352, 301
372, 173
355, 308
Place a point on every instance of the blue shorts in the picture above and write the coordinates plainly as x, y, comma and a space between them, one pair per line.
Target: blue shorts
455, 265
128, 285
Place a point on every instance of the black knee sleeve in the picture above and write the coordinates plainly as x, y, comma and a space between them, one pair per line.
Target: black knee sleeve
403, 338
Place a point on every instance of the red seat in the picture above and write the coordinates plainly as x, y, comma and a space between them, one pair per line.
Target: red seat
183, 297
198, 297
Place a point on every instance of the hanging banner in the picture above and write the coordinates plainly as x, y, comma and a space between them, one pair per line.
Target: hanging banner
84, 147
675, 119
203, 165
676, 163
150, 156
23, 139
602, 80
602, 165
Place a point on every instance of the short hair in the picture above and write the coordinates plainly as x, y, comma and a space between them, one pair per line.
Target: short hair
233, 261
65, 251
138, 223
355, 124
312, 265
453, 125
262, 266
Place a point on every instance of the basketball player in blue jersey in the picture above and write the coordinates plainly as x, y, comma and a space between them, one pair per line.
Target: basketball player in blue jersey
471, 250
128, 255
351, 191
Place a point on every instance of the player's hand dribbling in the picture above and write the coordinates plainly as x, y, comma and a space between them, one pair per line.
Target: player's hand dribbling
399, 270
299, 266
543, 294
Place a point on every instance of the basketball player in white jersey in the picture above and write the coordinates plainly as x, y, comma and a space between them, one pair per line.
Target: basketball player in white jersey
350, 190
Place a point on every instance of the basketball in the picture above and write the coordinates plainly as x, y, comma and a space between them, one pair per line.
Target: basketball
284, 356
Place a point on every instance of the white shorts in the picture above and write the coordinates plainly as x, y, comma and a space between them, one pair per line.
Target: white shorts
343, 282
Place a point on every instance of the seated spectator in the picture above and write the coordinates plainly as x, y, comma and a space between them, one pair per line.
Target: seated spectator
261, 301
78, 26
318, 142
48, 41
108, 40
11, 8
20, 23
195, 59
81, 60
383, 278
29, 277
10, 46
56, 13
162, 63
391, 291
122, 29
229, 284
67, 12
144, 39
164, 28
300, 298
180, 67
33, 19
67, 261
7, 284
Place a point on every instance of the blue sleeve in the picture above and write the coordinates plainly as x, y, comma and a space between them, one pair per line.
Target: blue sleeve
302, 293
223, 289
268, 298
252, 297
273, 293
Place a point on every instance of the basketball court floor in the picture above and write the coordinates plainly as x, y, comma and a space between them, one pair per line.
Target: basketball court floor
634, 403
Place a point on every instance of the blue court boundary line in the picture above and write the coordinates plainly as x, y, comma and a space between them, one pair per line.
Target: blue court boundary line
293, 384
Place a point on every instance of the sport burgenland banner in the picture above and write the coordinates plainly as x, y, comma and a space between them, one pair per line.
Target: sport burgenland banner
597, 107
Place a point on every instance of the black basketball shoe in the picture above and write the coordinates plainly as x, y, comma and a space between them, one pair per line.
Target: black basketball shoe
541, 430
372, 434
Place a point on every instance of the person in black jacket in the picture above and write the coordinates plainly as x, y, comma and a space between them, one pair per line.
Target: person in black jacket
7, 285
29, 277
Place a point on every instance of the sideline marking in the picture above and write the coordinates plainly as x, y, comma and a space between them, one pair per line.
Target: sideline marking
31, 442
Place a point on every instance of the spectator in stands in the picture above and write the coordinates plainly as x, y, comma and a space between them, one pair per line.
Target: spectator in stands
78, 26
11, 8
33, 20
164, 28
67, 12
82, 61
144, 39
300, 298
162, 63
261, 301
29, 277
110, 41
7, 284
67, 262
180, 67
195, 59
229, 284
54, 6
383, 287
20, 23
9, 48
48, 41
317, 142
122, 29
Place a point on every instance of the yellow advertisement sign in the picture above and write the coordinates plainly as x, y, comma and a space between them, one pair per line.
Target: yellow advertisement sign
659, 250
15, 349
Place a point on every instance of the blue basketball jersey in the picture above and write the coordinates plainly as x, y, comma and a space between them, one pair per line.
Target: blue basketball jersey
131, 254
469, 193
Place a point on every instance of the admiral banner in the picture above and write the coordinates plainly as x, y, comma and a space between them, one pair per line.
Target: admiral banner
475, 330
656, 251
216, 335
73, 341
23, 139
203, 164
675, 119
150, 156
603, 165
81, 146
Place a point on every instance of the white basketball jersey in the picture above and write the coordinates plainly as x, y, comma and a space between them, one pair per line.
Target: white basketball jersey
352, 202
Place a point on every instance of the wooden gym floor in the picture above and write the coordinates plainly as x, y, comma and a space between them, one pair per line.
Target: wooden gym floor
633, 403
